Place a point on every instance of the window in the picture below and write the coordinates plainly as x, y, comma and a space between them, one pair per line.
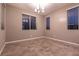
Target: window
48, 23
72, 15
28, 22
25, 22
33, 22
2, 16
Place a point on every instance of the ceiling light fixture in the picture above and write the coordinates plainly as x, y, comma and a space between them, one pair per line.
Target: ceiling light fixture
39, 7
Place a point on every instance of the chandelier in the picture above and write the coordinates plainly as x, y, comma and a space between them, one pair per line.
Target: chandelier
39, 9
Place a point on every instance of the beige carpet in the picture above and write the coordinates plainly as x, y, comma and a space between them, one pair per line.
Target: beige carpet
40, 47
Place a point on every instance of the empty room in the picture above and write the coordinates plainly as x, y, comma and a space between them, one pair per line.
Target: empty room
39, 29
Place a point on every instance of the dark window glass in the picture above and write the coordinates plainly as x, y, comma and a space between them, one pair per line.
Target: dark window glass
72, 26
48, 23
25, 22
33, 22
73, 18
3, 17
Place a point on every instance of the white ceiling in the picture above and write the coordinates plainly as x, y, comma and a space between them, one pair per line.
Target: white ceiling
48, 9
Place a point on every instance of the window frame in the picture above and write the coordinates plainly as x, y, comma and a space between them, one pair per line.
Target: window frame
25, 28
75, 23
30, 22
47, 23
33, 23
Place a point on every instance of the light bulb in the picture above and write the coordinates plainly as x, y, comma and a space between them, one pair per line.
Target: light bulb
38, 6
38, 11
35, 10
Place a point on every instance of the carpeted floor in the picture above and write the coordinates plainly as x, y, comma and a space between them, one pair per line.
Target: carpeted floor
40, 47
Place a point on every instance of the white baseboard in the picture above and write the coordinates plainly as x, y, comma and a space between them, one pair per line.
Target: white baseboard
24, 40
71, 43
2, 49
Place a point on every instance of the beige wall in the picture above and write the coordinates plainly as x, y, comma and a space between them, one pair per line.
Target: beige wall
2, 32
59, 26
14, 24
